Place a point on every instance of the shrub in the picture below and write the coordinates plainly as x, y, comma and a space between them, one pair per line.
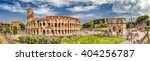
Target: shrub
38, 40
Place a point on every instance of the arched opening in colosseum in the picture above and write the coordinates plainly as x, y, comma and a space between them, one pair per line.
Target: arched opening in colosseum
68, 31
40, 24
55, 31
62, 31
59, 25
34, 31
49, 24
55, 24
43, 31
59, 31
48, 32
37, 31
33, 23
52, 31
62, 24
43, 23
68, 25
65, 31
65, 25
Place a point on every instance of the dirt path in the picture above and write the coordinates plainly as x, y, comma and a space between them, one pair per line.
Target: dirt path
3, 40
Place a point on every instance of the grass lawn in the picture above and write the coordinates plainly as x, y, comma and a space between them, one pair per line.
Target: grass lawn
100, 29
92, 40
147, 29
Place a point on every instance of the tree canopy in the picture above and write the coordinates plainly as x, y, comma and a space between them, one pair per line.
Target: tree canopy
143, 18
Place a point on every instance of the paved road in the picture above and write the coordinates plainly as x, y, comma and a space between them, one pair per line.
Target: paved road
141, 35
3, 40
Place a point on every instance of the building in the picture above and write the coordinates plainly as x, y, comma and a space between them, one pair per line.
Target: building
16, 24
52, 25
1, 24
12, 27
117, 26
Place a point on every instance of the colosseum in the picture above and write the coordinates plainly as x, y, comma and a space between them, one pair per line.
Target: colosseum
52, 25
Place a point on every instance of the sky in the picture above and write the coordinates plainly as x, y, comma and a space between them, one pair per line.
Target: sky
85, 10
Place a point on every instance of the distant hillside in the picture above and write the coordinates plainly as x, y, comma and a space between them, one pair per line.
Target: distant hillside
98, 23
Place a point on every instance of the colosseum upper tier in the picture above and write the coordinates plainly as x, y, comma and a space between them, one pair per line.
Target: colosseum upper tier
52, 25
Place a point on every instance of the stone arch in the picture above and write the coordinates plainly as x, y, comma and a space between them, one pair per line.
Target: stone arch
43, 23
114, 28
62, 31
52, 31
44, 31
48, 32
120, 30
37, 32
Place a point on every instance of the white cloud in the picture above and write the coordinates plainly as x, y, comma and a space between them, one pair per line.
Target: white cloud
13, 8
85, 17
82, 15
61, 3
136, 7
41, 10
44, 11
82, 8
57, 3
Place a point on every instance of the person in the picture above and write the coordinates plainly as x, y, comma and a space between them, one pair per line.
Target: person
134, 42
127, 37
137, 41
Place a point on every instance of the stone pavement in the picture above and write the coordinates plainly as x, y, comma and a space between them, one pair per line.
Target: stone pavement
135, 38
3, 40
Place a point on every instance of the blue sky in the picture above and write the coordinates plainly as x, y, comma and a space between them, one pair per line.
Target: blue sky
85, 10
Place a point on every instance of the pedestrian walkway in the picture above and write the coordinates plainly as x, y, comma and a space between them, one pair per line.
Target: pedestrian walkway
135, 38
3, 40
126, 42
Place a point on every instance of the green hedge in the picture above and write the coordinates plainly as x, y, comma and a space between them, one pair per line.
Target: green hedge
37, 40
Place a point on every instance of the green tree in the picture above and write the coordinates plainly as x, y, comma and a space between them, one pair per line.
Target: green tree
86, 25
7, 30
14, 30
142, 19
130, 24
7, 25
91, 23
1, 29
22, 26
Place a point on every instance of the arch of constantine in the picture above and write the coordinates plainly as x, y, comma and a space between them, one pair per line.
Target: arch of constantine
116, 26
